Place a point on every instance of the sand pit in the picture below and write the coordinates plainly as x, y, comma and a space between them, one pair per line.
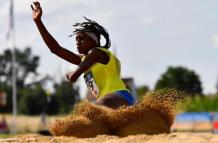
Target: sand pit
147, 122
153, 115
178, 137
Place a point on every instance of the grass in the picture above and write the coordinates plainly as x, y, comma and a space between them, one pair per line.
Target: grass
5, 135
202, 104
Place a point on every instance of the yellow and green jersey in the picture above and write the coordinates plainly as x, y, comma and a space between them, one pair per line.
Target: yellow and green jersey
103, 79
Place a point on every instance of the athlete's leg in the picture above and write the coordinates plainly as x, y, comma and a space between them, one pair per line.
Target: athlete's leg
112, 100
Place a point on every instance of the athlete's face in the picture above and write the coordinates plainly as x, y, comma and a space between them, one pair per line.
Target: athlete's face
84, 43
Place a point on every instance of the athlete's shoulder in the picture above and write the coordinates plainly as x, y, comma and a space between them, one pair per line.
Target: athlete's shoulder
101, 55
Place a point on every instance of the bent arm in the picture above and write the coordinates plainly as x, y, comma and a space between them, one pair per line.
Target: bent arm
54, 47
51, 43
95, 56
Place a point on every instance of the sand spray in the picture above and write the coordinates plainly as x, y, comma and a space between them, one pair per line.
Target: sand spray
154, 114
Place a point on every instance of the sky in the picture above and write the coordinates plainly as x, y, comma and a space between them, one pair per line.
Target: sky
148, 36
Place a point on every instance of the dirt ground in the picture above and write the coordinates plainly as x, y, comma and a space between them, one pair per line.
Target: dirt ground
176, 137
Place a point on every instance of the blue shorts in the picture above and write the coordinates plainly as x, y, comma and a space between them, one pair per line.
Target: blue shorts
127, 96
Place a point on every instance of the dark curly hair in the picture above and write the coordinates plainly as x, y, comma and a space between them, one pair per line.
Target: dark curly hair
92, 26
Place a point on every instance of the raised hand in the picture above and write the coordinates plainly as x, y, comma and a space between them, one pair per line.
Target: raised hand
36, 11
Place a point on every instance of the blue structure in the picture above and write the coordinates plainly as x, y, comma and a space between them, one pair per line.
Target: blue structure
194, 117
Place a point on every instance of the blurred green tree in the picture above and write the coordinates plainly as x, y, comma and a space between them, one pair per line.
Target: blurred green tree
32, 98
53, 105
202, 104
25, 64
180, 78
8, 107
68, 94
32, 101
141, 91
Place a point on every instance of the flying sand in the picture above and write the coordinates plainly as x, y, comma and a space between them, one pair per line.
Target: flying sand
153, 115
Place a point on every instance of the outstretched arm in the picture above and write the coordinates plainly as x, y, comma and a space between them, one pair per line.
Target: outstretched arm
51, 43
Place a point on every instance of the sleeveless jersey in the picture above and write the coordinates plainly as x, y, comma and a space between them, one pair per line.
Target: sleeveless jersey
103, 79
